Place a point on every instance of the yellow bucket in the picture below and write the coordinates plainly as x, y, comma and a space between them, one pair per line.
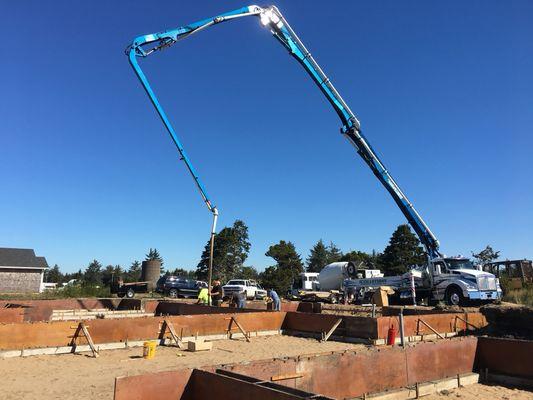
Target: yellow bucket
149, 349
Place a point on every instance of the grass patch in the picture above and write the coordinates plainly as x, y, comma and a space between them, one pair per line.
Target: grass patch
66, 292
522, 296
72, 292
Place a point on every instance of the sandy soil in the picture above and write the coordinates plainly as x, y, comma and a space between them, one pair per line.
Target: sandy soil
82, 377
482, 392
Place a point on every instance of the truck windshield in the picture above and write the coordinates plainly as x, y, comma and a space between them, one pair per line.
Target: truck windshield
233, 282
461, 263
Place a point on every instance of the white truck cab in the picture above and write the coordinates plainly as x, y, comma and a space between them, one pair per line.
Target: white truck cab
252, 288
456, 280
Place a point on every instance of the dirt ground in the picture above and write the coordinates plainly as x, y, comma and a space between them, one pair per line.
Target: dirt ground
82, 377
482, 392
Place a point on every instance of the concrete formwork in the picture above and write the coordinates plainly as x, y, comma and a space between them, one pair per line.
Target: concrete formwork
337, 375
505, 356
442, 323
377, 328
41, 310
51, 334
215, 321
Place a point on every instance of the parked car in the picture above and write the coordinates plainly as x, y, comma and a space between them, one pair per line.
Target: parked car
252, 288
174, 286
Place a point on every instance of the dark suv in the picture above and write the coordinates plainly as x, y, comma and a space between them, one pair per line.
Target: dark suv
174, 286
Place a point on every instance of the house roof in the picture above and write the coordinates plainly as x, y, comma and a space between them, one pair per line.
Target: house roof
21, 258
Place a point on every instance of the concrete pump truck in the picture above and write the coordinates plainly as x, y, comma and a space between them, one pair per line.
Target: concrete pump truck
455, 280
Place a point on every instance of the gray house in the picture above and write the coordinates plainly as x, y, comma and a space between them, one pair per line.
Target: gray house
21, 271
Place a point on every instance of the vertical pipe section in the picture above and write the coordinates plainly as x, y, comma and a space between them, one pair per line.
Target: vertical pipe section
402, 330
211, 251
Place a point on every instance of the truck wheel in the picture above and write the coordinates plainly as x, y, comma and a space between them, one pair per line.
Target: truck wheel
130, 293
121, 295
173, 293
454, 296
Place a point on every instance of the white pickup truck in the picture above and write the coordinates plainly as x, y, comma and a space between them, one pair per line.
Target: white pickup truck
252, 288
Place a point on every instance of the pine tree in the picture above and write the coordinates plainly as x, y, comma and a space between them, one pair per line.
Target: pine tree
93, 273
288, 266
134, 272
402, 252
357, 257
334, 253
54, 275
153, 255
230, 251
318, 257
108, 275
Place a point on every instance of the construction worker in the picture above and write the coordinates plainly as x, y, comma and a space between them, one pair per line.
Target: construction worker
240, 298
216, 293
203, 295
274, 298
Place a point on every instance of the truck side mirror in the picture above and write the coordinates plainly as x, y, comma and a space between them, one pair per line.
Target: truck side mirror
437, 269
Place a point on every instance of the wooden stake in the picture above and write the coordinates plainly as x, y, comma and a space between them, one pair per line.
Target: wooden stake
240, 328
173, 335
433, 330
326, 335
82, 328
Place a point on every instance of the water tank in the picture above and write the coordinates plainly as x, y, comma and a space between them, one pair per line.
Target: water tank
333, 275
151, 271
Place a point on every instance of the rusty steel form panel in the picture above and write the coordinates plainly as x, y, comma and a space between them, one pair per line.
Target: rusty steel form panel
354, 373
177, 308
11, 315
339, 375
361, 327
158, 386
205, 385
505, 356
429, 361
41, 310
351, 374
307, 322
442, 323
43, 334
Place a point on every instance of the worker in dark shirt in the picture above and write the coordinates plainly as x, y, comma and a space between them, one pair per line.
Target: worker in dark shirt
216, 293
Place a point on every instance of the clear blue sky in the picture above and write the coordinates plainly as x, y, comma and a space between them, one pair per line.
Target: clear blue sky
444, 91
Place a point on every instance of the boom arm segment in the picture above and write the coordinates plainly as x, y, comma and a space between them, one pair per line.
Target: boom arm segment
279, 27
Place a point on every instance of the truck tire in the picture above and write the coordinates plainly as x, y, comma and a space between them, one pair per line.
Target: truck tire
173, 293
454, 296
130, 293
121, 295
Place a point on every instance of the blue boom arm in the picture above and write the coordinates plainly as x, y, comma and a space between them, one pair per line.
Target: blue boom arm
272, 18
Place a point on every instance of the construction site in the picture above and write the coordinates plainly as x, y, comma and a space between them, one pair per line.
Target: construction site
408, 323
93, 349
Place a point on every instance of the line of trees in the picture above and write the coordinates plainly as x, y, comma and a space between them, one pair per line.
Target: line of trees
95, 274
231, 249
